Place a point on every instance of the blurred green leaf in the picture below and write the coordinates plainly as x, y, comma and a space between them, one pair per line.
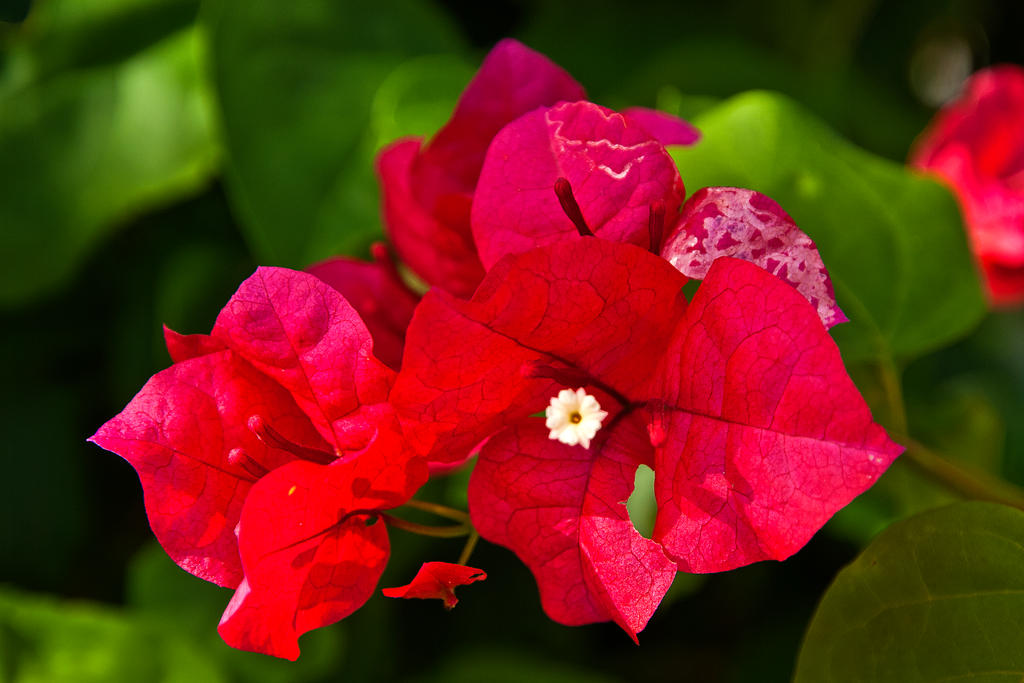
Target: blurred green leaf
893, 241
63, 35
937, 597
86, 143
296, 85
159, 589
43, 640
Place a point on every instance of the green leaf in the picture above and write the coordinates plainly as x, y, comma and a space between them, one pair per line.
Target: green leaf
938, 597
45, 640
296, 84
166, 594
892, 240
86, 143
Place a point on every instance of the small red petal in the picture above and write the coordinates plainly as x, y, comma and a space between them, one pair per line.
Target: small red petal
437, 580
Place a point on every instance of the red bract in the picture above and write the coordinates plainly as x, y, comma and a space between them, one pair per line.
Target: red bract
760, 435
561, 510
285, 388
976, 143
376, 291
427, 192
437, 580
744, 396
744, 224
616, 171
311, 544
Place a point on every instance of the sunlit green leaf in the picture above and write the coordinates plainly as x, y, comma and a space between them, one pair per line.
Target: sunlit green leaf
297, 85
159, 590
89, 138
938, 597
44, 640
892, 240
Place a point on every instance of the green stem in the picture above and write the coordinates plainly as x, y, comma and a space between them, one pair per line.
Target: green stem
892, 385
424, 530
467, 550
439, 510
975, 485
969, 484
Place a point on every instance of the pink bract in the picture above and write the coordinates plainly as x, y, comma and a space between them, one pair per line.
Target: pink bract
744, 224
665, 128
427, 192
615, 168
976, 144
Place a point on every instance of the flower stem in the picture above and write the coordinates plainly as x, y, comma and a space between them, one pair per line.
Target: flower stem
467, 550
970, 484
892, 386
453, 531
439, 510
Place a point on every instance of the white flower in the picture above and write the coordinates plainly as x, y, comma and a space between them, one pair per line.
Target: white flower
574, 417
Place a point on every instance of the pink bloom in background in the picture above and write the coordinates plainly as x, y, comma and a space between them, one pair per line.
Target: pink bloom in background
976, 143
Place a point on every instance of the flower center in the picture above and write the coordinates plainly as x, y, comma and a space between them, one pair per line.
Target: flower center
574, 417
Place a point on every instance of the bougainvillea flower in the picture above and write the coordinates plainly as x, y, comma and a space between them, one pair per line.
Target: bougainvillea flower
744, 224
614, 171
378, 294
285, 382
427, 192
976, 144
437, 580
739, 402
